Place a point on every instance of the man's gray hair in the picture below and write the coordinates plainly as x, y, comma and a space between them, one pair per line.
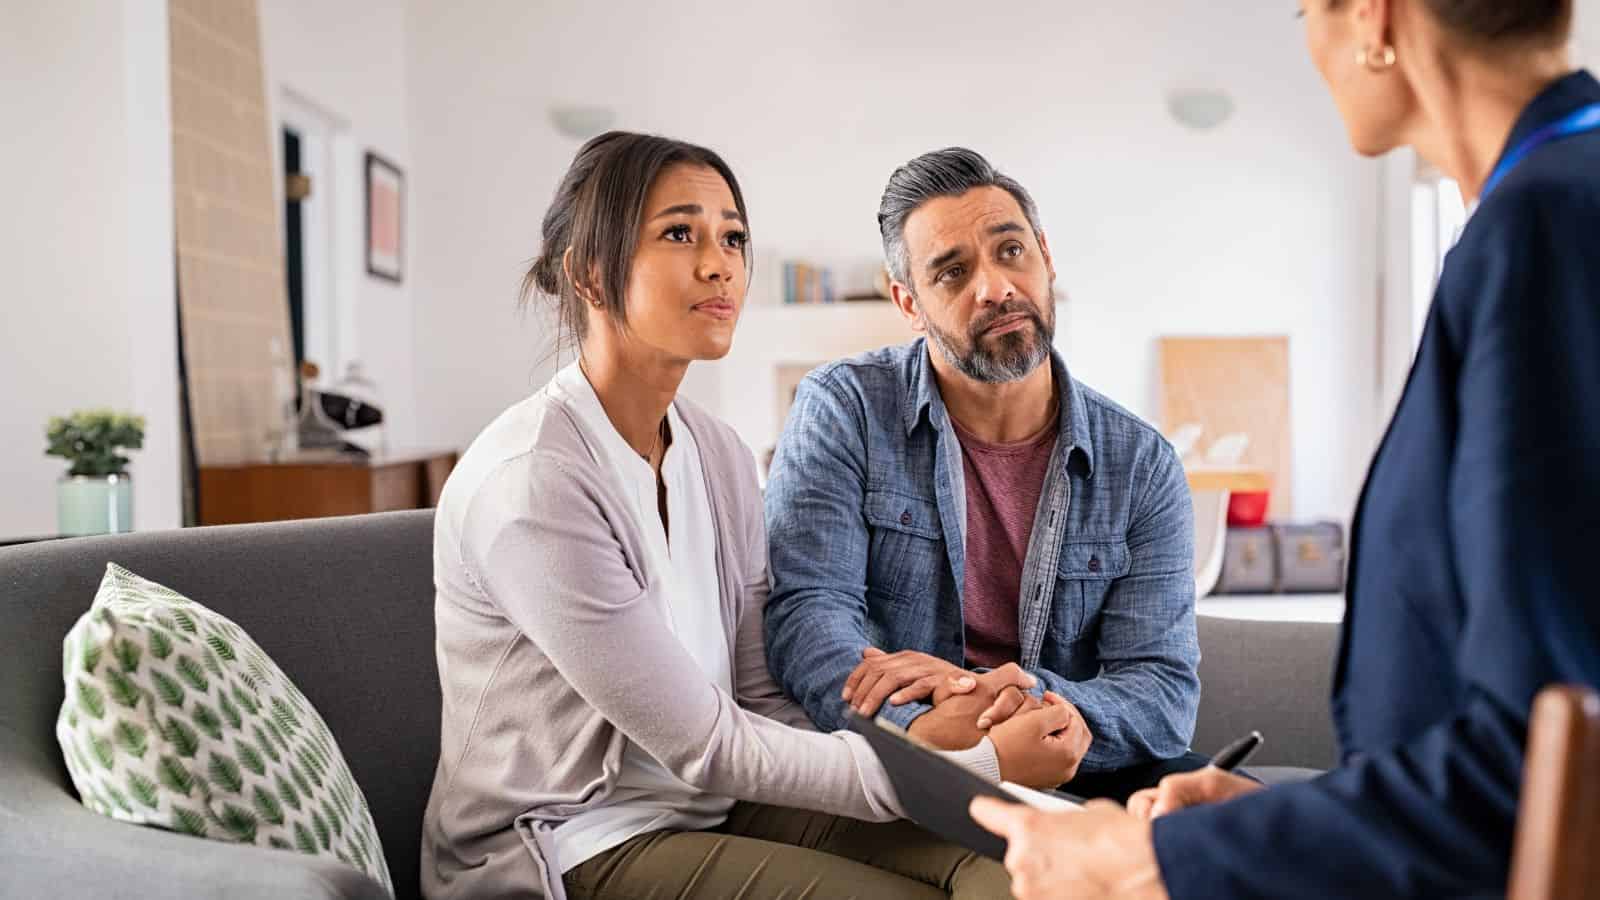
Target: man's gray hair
950, 172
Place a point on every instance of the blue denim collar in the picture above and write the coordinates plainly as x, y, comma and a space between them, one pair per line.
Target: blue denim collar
924, 401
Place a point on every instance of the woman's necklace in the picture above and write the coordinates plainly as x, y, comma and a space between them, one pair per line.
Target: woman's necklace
650, 456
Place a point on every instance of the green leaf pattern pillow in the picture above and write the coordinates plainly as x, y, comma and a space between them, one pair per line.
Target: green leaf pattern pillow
175, 718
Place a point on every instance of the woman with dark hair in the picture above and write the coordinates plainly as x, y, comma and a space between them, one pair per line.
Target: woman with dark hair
1472, 580
609, 727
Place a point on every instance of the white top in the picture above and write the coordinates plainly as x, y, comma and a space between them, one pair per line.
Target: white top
647, 796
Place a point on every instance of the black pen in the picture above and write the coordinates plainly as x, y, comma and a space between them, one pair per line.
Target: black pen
1233, 756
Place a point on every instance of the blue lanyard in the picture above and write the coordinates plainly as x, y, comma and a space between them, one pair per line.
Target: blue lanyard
1581, 122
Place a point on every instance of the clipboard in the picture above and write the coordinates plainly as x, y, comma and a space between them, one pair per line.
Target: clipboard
936, 791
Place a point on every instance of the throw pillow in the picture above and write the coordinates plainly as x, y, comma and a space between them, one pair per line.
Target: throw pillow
175, 718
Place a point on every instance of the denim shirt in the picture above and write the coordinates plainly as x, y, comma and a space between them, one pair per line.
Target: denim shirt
866, 517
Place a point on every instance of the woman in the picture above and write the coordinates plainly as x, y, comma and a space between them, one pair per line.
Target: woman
601, 572
1471, 580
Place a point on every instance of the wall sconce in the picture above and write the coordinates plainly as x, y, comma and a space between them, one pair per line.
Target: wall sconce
582, 122
1200, 109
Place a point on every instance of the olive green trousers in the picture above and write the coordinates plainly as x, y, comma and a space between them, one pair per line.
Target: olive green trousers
769, 852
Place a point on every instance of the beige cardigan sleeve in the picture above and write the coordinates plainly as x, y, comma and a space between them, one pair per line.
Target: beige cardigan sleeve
542, 542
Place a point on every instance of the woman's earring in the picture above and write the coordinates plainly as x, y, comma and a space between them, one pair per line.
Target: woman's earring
1380, 60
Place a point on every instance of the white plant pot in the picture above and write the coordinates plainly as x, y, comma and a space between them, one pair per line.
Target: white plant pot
88, 504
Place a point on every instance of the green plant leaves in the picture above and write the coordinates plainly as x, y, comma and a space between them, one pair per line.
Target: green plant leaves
90, 439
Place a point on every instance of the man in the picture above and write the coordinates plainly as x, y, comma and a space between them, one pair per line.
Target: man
957, 518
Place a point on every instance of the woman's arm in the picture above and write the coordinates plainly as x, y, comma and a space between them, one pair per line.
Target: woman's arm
538, 541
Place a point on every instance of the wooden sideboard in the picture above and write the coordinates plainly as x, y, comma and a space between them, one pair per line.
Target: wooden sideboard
313, 488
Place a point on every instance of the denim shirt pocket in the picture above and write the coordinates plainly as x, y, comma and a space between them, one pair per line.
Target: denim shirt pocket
905, 544
1084, 577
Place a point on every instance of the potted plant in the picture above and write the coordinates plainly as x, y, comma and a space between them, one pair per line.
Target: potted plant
96, 494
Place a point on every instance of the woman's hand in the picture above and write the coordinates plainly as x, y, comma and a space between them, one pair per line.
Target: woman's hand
1197, 788
1043, 747
1100, 851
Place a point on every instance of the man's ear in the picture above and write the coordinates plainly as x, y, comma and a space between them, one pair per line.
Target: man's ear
1044, 250
906, 302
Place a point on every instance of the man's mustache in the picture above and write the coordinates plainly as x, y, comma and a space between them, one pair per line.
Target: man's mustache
1013, 308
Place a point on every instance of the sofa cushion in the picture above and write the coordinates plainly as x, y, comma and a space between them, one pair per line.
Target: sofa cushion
174, 717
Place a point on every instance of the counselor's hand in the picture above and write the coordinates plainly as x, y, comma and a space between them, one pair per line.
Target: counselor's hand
1099, 851
1197, 788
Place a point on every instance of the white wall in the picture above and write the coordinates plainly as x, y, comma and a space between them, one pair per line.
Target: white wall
1587, 28
1267, 226
347, 58
88, 312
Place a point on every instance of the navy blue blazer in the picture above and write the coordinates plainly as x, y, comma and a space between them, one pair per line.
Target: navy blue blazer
1474, 571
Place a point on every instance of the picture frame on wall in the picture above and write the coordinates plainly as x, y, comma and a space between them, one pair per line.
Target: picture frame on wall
385, 218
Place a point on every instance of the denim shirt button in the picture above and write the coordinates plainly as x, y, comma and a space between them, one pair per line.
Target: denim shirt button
905, 518
1094, 563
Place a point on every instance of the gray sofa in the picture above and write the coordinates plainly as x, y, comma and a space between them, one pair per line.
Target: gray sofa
345, 606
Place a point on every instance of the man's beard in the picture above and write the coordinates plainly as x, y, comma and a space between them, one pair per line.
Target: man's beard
1006, 357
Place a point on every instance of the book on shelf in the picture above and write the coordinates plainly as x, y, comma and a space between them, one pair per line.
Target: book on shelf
804, 283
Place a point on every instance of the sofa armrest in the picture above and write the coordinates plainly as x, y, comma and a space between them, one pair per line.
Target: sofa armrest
52, 846
1272, 677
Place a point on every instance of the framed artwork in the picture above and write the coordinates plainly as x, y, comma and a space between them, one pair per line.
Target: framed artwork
386, 187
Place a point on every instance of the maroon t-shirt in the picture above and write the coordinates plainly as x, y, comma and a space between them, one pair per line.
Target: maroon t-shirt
1003, 486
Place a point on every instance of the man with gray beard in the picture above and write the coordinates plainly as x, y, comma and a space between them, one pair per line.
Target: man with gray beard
959, 530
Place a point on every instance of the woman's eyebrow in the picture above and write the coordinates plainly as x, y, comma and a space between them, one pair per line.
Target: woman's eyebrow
695, 209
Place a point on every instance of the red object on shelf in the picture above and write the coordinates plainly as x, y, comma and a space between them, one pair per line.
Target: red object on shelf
1248, 509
